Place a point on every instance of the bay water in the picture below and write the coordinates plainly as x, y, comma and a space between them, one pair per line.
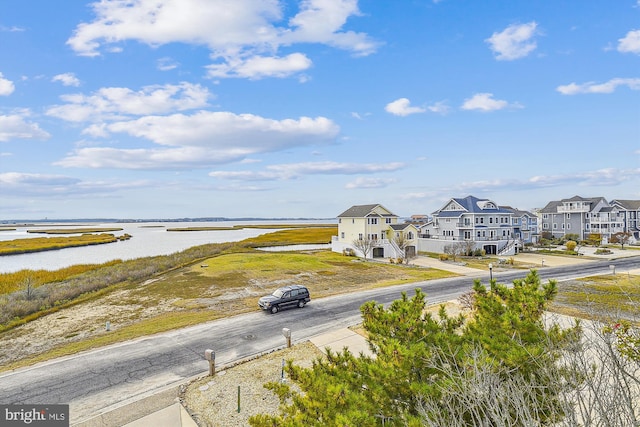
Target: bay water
148, 239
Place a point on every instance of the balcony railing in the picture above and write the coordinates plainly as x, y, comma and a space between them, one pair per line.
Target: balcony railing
570, 209
464, 224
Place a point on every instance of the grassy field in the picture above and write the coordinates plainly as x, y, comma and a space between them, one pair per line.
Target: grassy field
608, 296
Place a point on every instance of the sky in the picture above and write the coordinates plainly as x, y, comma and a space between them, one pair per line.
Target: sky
300, 109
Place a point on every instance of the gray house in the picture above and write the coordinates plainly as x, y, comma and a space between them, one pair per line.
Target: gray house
629, 210
582, 216
493, 228
525, 225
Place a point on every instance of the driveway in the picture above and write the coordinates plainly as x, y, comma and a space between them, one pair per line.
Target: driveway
533, 258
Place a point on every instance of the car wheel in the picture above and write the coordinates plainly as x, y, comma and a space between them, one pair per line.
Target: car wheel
274, 309
301, 303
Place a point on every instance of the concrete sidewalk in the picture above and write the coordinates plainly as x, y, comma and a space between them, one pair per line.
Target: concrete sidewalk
171, 416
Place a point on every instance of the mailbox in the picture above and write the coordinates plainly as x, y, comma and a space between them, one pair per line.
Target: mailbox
210, 355
287, 334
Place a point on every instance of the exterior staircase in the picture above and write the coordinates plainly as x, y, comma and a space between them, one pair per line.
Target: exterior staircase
510, 248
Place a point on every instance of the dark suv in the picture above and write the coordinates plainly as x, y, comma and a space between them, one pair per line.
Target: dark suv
288, 296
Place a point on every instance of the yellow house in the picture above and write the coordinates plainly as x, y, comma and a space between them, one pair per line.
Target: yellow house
373, 224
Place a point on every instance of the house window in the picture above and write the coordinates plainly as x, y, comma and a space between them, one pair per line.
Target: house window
342, 235
410, 235
491, 220
372, 220
478, 234
360, 236
545, 216
568, 226
388, 220
568, 216
339, 220
555, 226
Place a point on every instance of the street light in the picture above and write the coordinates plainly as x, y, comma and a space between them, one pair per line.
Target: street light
490, 271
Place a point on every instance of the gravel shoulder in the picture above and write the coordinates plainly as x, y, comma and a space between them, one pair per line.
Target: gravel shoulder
213, 400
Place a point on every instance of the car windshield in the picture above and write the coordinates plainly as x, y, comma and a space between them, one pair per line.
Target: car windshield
278, 293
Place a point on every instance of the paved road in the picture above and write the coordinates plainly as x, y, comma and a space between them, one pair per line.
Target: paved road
98, 381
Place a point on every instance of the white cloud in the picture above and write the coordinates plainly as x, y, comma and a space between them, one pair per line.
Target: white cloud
630, 43
116, 102
202, 139
516, 41
166, 64
67, 79
18, 178
6, 86
56, 186
600, 177
258, 67
591, 87
402, 107
240, 34
440, 107
485, 102
297, 170
17, 126
11, 29
369, 183
320, 21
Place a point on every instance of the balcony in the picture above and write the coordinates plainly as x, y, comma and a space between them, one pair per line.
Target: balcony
464, 225
573, 209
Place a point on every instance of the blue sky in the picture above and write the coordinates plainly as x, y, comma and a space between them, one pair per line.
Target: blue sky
265, 108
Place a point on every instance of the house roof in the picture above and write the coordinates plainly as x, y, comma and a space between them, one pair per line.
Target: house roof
518, 212
470, 204
632, 205
401, 227
552, 207
361, 211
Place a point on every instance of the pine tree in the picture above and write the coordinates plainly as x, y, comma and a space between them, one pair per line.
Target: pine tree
427, 369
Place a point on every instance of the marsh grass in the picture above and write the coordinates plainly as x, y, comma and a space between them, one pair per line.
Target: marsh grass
39, 244
258, 226
599, 296
11, 282
83, 230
